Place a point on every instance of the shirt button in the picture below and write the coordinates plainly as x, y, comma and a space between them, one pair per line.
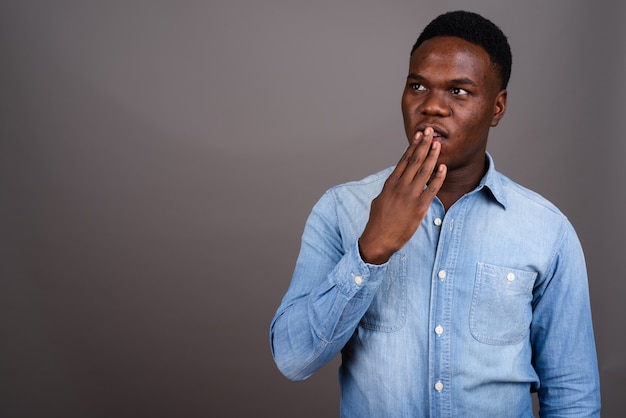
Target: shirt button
510, 277
438, 221
358, 279
441, 274
439, 386
438, 330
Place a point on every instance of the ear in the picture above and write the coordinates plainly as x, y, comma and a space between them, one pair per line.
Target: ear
499, 107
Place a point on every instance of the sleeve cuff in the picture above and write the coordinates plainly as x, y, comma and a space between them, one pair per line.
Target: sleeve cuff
356, 278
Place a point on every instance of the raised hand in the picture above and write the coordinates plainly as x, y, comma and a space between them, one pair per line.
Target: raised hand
398, 210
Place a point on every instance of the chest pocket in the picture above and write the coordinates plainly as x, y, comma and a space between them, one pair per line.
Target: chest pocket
501, 310
387, 312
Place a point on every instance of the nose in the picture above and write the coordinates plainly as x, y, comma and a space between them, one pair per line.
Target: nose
434, 104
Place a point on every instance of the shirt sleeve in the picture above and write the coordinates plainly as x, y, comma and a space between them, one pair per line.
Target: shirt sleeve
564, 353
330, 291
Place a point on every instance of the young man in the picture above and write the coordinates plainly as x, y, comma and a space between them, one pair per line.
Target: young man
448, 289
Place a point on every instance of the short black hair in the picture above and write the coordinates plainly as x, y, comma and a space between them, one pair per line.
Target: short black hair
475, 29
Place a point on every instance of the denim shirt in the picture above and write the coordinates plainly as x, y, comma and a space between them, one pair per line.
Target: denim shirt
483, 305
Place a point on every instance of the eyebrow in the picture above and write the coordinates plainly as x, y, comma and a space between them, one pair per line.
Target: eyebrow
458, 81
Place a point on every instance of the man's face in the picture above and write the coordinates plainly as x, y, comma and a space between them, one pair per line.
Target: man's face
453, 87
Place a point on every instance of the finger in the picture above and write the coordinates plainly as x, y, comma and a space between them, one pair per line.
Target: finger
435, 183
415, 160
426, 160
407, 156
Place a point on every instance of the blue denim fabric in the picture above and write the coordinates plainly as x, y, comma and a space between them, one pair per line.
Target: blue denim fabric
484, 304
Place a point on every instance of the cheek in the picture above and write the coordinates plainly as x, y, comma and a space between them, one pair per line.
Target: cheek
409, 107
405, 105
476, 124
407, 111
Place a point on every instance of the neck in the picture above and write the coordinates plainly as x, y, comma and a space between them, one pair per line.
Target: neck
460, 182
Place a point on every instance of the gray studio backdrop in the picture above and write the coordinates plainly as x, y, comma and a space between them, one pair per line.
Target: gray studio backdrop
158, 160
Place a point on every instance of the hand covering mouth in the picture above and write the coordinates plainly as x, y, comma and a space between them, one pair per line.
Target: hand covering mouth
438, 133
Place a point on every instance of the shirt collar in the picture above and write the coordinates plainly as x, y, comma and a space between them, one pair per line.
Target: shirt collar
492, 181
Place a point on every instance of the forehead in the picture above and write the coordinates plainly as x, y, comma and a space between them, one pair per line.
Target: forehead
448, 56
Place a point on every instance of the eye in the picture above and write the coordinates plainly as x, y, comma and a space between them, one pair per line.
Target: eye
459, 91
417, 86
